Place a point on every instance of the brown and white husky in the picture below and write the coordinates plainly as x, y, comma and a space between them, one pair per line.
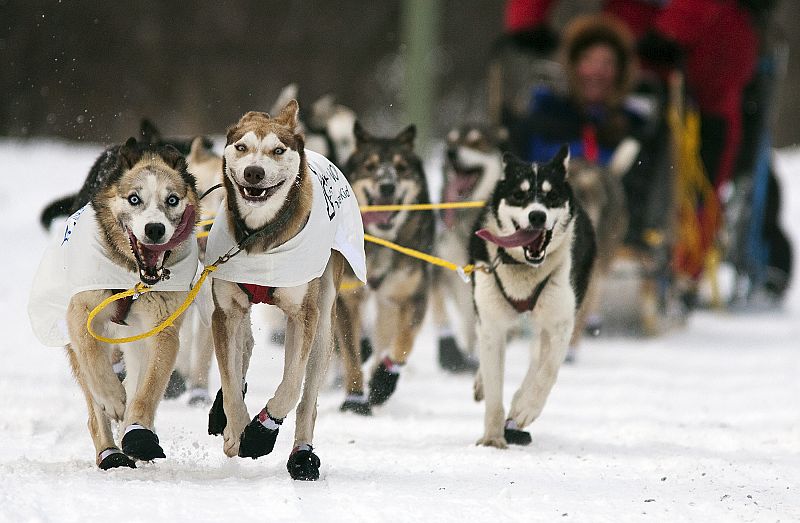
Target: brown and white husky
294, 222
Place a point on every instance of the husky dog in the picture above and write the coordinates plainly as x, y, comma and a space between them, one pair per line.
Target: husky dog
537, 247
137, 227
148, 134
197, 345
385, 171
473, 165
601, 194
328, 130
327, 127
288, 226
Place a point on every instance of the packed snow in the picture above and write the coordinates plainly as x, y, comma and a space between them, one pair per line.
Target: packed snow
700, 424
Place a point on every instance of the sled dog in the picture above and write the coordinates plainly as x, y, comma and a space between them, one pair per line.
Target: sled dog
386, 171
289, 224
601, 194
473, 165
537, 247
137, 227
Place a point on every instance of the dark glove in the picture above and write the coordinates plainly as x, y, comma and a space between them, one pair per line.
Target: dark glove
660, 50
540, 39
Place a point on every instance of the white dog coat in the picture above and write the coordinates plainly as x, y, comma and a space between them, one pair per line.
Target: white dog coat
334, 223
77, 262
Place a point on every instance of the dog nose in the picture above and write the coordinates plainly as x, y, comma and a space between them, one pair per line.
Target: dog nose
537, 219
154, 231
253, 174
386, 189
452, 155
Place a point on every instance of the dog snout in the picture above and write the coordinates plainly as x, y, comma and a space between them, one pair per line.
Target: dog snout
537, 219
452, 155
386, 189
253, 174
154, 231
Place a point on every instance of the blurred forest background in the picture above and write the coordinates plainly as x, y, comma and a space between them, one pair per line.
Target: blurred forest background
90, 70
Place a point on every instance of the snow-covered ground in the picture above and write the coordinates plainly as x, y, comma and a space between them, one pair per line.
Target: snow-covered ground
702, 424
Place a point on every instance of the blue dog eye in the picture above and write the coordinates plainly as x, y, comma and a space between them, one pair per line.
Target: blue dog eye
134, 199
173, 200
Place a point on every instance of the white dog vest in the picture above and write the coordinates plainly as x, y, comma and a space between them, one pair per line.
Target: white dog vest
334, 223
75, 262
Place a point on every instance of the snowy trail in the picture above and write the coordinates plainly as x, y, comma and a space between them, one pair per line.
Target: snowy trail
699, 425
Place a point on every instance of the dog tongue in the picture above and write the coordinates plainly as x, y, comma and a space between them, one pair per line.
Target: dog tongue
151, 253
380, 217
457, 188
517, 239
182, 231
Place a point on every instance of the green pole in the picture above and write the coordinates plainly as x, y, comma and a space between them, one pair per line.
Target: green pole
420, 29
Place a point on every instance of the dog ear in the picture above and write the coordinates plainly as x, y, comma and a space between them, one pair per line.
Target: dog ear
229, 135
129, 153
360, 133
173, 158
407, 135
562, 158
148, 132
289, 115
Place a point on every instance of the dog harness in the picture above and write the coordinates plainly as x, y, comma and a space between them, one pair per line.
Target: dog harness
527, 304
334, 223
258, 293
76, 261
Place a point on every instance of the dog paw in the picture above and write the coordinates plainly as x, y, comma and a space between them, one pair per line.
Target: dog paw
453, 360
303, 464
258, 440
383, 382
141, 443
232, 434
493, 441
357, 404
114, 458
517, 437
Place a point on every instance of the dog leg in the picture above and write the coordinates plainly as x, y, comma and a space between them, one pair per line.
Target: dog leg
140, 440
94, 358
492, 354
202, 353
303, 464
302, 329
348, 334
259, 436
530, 398
229, 316
107, 455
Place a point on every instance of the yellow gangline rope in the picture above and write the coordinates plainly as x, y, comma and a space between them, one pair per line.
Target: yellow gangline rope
141, 289
421, 206
421, 255
346, 286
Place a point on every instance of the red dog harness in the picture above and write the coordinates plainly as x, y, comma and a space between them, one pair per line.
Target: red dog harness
258, 293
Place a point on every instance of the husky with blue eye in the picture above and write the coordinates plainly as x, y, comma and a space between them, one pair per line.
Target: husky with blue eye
537, 247
136, 227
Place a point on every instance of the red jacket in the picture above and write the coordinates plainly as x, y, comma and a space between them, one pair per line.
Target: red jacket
721, 47
638, 15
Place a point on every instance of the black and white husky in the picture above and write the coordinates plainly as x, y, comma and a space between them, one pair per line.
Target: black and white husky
537, 247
